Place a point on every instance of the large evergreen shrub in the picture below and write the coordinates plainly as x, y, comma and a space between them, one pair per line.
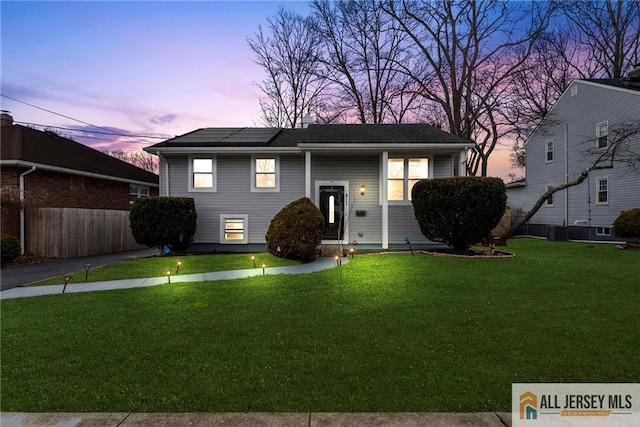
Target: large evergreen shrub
10, 248
159, 221
458, 211
296, 231
627, 224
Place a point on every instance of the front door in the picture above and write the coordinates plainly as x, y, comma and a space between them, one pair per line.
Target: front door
331, 203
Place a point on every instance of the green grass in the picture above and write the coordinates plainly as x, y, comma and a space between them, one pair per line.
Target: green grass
381, 333
158, 266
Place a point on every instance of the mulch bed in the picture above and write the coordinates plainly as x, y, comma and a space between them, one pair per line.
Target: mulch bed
470, 254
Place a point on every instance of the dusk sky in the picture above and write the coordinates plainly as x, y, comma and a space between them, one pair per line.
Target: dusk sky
138, 67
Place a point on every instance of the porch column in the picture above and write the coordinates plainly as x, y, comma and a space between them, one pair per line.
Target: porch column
463, 162
385, 200
307, 174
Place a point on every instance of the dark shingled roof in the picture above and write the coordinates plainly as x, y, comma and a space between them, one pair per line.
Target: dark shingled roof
365, 134
222, 137
624, 83
32, 145
314, 134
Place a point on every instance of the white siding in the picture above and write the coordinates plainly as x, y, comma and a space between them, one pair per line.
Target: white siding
573, 119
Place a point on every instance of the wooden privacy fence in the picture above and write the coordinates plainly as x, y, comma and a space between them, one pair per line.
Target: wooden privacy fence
71, 233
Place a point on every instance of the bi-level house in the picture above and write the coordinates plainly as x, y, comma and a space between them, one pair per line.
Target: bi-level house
580, 127
360, 176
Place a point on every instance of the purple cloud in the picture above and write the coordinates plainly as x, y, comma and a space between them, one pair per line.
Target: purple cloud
163, 120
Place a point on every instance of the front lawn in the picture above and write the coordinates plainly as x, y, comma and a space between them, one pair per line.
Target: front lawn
157, 266
381, 333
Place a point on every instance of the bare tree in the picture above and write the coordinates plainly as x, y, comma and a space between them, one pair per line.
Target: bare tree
288, 51
362, 47
547, 70
465, 56
608, 33
141, 159
623, 150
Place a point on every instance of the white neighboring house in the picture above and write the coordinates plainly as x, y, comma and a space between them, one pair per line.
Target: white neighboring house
578, 127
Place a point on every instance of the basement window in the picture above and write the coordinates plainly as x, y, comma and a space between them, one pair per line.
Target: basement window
603, 231
233, 229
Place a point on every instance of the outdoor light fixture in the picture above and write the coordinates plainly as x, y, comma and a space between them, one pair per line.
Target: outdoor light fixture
253, 258
168, 276
178, 266
352, 252
362, 190
263, 267
67, 279
87, 267
337, 258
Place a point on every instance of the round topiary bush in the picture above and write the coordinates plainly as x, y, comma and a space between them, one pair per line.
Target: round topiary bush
628, 224
10, 248
296, 231
458, 211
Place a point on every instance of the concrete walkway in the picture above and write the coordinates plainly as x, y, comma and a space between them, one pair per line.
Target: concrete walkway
283, 419
32, 291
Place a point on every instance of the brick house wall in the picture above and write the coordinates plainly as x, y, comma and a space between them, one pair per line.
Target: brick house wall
58, 190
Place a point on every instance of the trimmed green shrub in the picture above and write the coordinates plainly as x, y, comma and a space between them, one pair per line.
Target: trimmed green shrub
159, 221
628, 224
458, 211
296, 231
10, 248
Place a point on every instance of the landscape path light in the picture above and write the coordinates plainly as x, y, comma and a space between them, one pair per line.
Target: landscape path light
407, 240
178, 266
263, 267
352, 253
253, 259
87, 267
67, 279
168, 276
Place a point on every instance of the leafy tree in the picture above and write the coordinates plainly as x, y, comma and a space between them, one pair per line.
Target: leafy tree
159, 221
458, 211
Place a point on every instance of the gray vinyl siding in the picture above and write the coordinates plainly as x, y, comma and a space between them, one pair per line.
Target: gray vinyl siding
575, 118
402, 220
358, 170
234, 195
442, 166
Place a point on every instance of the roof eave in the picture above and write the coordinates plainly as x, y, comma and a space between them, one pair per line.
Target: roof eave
60, 169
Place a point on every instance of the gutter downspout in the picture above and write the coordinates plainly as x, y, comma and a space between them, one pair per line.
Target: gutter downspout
163, 160
566, 174
22, 197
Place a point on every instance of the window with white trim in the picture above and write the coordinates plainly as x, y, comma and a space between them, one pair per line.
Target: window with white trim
602, 135
602, 191
549, 151
603, 231
136, 191
402, 175
202, 174
265, 173
549, 201
233, 229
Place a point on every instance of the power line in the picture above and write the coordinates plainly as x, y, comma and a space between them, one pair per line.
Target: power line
87, 131
111, 132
